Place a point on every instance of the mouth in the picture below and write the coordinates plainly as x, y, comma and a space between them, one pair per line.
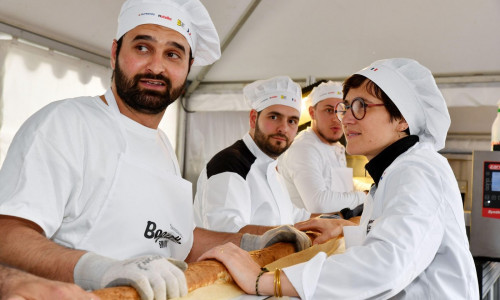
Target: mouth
153, 84
351, 134
279, 138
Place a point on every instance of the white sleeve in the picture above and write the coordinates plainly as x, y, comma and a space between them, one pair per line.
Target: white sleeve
401, 244
304, 166
227, 203
41, 172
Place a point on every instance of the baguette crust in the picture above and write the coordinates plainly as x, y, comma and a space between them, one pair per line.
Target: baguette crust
207, 272
203, 273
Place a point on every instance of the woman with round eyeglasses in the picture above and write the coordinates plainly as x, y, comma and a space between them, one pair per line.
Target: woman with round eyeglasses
358, 106
411, 241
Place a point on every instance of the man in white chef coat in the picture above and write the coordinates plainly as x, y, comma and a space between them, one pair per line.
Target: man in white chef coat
240, 189
91, 190
314, 168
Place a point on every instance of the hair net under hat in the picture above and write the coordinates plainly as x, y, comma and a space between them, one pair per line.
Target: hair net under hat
277, 90
324, 91
413, 90
188, 17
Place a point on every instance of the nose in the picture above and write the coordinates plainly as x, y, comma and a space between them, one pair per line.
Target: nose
282, 126
348, 117
155, 64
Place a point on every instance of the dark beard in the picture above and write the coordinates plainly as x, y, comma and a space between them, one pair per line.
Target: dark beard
262, 141
331, 141
145, 101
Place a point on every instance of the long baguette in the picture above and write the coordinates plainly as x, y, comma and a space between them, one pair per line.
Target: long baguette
203, 273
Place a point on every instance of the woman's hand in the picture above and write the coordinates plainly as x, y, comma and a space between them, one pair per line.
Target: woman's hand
328, 228
239, 263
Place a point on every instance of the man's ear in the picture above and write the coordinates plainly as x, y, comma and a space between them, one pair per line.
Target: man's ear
311, 112
113, 54
253, 118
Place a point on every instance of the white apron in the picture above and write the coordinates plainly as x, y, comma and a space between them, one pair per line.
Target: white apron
342, 180
144, 212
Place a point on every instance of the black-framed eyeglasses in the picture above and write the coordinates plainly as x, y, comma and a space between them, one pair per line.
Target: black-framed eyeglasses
358, 108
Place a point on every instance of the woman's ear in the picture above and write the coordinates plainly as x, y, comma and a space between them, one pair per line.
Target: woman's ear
402, 125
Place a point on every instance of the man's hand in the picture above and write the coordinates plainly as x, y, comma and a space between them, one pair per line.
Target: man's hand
329, 228
153, 276
18, 285
285, 233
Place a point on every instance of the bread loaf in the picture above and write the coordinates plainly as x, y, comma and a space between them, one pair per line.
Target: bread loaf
203, 273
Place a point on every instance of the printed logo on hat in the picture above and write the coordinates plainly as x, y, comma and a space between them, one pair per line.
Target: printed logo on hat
374, 69
165, 17
182, 24
284, 97
168, 18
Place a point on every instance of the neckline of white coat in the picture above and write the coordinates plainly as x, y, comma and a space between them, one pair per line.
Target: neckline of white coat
252, 146
126, 121
337, 147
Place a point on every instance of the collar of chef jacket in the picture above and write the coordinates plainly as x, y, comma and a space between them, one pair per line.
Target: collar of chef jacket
377, 165
337, 147
252, 146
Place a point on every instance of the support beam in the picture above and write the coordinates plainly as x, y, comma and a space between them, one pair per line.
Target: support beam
232, 33
54, 45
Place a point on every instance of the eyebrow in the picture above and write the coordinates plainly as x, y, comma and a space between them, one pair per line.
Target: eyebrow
281, 115
347, 101
146, 37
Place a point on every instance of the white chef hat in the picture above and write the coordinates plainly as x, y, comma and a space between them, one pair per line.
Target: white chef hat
324, 91
188, 17
277, 90
413, 90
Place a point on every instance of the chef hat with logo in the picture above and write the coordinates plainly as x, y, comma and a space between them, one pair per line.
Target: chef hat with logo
324, 91
188, 17
277, 90
413, 90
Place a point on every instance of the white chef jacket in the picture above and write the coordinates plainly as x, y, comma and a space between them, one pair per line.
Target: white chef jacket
62, 166
416, 247
316, 175
240, 186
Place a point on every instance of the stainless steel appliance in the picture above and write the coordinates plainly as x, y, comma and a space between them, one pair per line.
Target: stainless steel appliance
485, 221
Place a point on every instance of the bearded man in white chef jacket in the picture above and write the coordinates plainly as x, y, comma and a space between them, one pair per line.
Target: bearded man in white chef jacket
314, 168
240, 189
91, 190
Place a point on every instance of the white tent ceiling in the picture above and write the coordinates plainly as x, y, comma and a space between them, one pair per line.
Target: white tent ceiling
300, 38
458, 40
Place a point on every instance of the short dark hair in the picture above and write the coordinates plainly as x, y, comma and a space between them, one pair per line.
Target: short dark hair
356, 80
